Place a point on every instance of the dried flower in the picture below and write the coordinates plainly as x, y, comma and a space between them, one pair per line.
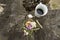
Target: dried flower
30, 25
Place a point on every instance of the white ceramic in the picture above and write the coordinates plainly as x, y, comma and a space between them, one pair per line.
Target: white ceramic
43, 7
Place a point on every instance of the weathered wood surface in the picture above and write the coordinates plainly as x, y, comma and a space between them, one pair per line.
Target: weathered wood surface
15, 13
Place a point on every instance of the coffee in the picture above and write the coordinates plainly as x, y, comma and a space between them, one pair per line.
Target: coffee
40, 11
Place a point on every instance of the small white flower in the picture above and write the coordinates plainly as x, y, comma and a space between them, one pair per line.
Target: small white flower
30, 16
25, 32
1, 9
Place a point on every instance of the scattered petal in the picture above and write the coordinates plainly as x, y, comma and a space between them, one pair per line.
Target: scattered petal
30, 16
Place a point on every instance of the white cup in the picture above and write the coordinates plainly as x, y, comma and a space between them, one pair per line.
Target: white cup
43, 7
